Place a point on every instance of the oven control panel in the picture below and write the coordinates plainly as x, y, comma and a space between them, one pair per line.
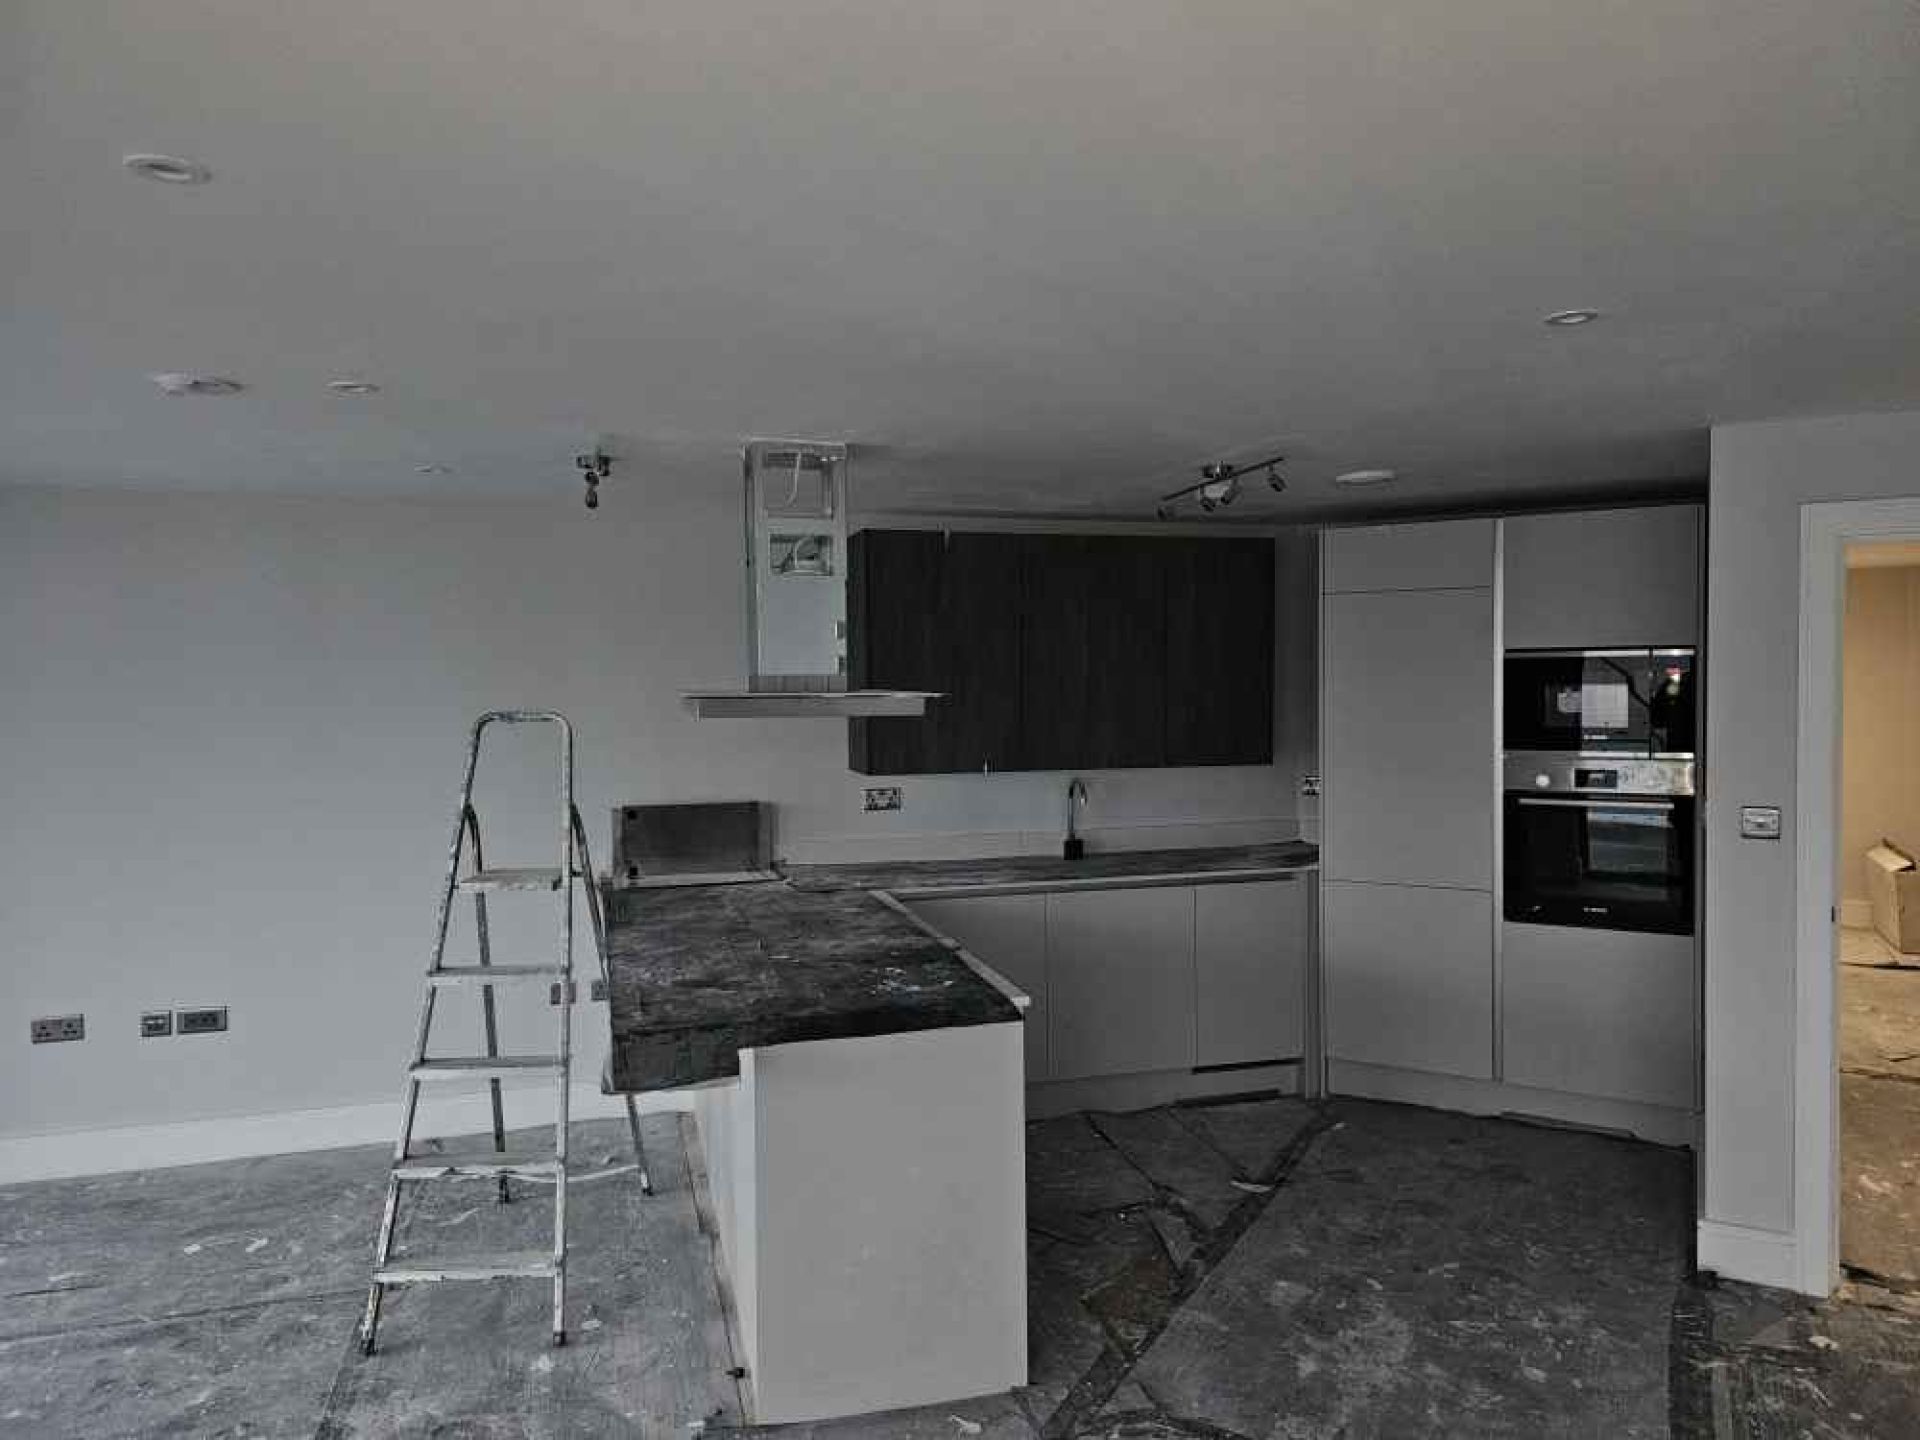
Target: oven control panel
1597, 775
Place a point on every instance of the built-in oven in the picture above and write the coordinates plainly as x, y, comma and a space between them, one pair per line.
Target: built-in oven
1599, 702
1601, 843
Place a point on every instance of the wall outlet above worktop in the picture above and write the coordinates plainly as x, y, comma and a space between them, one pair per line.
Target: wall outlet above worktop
874, 798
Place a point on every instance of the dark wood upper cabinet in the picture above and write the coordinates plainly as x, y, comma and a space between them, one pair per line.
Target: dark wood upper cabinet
1059, 652
1219, 691
1092, 666
929, 610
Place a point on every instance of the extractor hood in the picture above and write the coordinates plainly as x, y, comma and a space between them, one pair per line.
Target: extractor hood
796, 541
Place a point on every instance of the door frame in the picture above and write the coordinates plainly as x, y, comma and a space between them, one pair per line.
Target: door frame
1826, 529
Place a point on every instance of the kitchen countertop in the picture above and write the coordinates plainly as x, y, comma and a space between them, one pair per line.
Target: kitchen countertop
701, 972
1016, 874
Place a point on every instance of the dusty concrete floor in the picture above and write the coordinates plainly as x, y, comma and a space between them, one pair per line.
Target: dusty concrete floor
1252, 1269
1879, 1113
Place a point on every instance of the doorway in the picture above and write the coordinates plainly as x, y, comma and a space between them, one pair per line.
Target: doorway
1857, 1021
1878, 882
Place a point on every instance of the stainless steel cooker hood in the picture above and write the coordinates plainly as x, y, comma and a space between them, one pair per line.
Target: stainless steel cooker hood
796, 540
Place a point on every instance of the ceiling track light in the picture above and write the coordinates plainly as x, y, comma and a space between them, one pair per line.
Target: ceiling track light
594, 467
1219, 485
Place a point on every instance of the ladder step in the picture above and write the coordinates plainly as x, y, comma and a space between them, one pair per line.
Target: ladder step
539, 877
455, 1067
513, 1265
460, 1164
493, 974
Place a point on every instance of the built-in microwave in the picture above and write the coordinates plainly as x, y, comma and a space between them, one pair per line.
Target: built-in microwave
1599, 702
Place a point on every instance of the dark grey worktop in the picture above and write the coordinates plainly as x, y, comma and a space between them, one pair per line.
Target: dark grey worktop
701, 972
1016, 873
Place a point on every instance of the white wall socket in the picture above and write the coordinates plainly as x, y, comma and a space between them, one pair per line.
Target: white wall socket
880, 797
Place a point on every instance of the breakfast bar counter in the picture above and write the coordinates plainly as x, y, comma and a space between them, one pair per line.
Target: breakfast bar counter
858, 1086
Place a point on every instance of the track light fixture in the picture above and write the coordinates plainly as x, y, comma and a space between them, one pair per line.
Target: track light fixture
1219, 485
593, 468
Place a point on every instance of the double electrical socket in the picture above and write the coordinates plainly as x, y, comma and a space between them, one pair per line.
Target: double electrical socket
880, 797
157, 1024
52, 1029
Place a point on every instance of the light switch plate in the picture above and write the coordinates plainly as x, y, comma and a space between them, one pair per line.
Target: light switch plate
1759, 822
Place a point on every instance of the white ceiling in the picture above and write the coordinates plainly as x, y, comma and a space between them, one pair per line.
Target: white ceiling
1027, 254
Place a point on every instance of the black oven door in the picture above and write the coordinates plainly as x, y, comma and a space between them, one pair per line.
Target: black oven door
1617, 862
1592, 702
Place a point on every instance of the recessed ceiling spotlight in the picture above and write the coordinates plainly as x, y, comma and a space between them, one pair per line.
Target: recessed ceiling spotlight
1359, 479
181, 383
1567, 319
433, 469
353, 387
168, 169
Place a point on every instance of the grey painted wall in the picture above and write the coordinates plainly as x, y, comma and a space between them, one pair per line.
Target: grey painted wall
1761, 475
231, 747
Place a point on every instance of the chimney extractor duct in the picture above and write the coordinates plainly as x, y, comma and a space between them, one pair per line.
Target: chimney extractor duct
796, 538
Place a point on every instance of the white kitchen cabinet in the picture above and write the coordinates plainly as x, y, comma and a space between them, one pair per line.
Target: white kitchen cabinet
1250, 947
1599, 1012
1409, 977
1119, 981
1596, 578
1407, 743
1434, 555
1007, 933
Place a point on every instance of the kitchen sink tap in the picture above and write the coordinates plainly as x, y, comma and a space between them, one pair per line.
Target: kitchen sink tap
1073, 847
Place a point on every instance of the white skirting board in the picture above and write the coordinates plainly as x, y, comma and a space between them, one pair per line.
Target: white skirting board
193, 1142
1489, 1097
1759, 1257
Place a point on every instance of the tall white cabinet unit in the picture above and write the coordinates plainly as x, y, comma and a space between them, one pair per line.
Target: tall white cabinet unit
1409, 664
1598, 1012
1428, 994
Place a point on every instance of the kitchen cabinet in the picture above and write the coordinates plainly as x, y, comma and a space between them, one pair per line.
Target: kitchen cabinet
1007, 933
1409, 977
1600, 1012
1219, 673
931, 610
1119, 981
1432, 555
1598, 578
1157, 978
1250, 947
1407, 745
1062, 652
1094, 653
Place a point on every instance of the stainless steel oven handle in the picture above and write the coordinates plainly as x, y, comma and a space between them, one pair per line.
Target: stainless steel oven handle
1596, 804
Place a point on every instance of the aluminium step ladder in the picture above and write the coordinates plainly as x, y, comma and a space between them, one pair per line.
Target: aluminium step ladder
411, 1165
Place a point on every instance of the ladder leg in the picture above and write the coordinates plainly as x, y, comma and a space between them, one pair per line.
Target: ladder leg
376, 1292
490, 1031
390, 1212
568, 840
639, 1147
